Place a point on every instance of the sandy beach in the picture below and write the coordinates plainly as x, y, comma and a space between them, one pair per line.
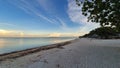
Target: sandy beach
79, 53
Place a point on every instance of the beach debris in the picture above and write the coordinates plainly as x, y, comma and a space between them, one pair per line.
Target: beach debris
60, 47
45, 61
58, 65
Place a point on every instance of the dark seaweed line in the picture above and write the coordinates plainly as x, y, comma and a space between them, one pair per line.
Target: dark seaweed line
17, 54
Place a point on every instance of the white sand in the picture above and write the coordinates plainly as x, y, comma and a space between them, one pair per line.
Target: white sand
81, 53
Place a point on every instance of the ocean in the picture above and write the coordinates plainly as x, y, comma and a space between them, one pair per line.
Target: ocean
8, 45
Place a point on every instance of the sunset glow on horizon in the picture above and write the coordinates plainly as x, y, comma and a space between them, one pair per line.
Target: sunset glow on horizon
42, 18
7, 33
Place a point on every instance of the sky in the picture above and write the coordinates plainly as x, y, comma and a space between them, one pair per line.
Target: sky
42, 18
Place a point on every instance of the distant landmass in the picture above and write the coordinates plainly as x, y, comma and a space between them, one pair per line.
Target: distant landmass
103, 33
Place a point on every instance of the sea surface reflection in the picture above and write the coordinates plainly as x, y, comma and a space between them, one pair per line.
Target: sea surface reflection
15, 44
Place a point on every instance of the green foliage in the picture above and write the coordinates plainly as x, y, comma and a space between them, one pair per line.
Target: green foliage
105, 12
103, 32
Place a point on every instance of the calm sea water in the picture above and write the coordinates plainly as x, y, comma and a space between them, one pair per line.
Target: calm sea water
16, 44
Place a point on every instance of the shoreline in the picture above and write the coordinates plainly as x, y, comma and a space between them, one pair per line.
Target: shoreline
78, 53
21, 53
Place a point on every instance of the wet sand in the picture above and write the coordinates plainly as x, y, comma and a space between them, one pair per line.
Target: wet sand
80, 53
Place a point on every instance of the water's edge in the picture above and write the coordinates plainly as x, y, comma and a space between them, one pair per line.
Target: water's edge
21, 53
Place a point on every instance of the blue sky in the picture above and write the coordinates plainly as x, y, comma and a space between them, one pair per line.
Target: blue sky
42, 18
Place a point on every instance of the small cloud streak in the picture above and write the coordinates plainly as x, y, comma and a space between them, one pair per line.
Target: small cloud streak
63, 25
55, 35
47, 5
64, 34
7, 24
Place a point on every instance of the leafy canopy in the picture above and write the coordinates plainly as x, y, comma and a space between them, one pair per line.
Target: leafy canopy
105, 12
102, 32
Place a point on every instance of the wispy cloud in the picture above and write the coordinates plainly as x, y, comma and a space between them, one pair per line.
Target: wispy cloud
47, 5
7, 24
63, 25
30, 9
75, 15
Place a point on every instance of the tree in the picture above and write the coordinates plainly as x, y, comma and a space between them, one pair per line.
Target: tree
102, 32
105, 12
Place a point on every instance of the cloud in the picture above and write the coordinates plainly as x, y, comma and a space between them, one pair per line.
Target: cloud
17, 33
73, 31
64, 34
47, 5
7, 24
75, 15
10, 33
54, 35
31, 9
64, 26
